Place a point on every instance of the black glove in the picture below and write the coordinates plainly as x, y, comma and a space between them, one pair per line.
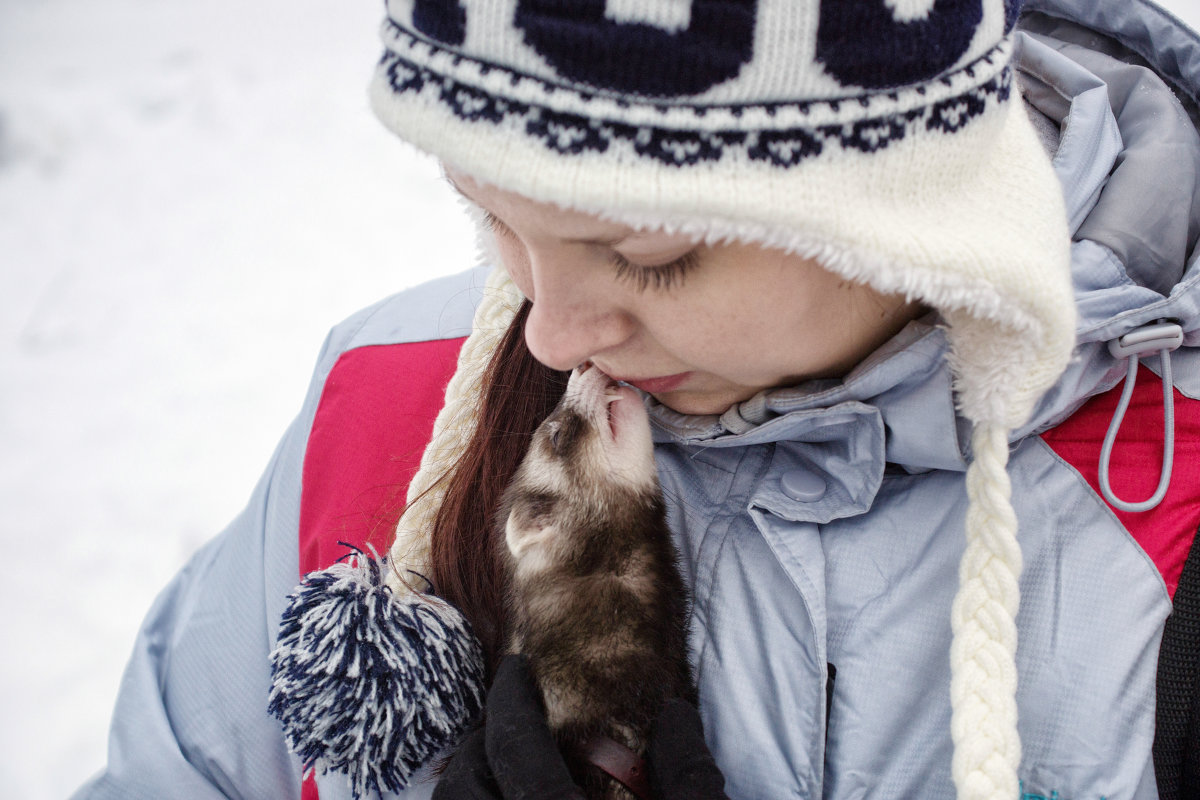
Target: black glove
514, 757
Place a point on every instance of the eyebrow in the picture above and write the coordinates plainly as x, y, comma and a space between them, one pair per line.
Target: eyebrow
496, 222
454, 185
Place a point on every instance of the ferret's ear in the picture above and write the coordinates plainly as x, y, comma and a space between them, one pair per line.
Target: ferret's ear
523, 531
537, 511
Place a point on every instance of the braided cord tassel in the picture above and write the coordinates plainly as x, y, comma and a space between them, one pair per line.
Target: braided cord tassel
983, 677
452, 429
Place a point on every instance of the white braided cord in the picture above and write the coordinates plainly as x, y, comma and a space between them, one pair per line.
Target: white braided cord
983, 672
451, 430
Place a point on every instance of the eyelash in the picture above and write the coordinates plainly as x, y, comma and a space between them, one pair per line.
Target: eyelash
659, 276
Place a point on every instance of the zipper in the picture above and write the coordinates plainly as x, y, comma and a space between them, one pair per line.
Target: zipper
830, 675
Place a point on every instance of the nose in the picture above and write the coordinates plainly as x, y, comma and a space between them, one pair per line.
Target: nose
573, 318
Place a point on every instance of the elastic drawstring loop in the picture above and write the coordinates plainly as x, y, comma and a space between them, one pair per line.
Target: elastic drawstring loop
1161, 337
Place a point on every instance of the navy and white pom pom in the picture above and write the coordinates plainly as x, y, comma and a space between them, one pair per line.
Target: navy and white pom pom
371, 684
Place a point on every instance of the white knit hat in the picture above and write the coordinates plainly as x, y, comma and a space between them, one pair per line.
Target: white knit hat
880, 137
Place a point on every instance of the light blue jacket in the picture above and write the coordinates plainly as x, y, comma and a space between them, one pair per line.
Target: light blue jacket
818, 525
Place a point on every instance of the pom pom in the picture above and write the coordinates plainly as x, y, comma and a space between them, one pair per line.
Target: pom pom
371, 684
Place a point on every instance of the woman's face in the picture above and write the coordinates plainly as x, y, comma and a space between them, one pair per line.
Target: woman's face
699, 327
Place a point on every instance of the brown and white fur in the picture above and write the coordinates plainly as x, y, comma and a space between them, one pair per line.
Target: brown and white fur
596, 601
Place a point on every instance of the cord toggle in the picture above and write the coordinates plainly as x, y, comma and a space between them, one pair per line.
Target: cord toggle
1160, 337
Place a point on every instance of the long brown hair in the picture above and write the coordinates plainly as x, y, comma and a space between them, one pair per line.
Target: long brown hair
518, 392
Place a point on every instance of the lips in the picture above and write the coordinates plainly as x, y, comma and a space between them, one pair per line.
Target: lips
599, 396
660, 384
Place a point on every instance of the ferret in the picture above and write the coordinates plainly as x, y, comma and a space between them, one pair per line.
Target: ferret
595, 598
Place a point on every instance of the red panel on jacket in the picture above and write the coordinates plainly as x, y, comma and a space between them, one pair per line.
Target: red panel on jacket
1164, 532
375, 417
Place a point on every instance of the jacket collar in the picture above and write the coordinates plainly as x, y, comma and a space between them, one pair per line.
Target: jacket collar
903, 389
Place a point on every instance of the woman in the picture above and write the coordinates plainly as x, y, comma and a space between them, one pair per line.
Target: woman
828, 243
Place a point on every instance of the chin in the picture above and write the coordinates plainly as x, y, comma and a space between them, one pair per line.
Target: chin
697, 403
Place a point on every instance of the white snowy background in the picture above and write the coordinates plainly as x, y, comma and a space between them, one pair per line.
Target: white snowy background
191, 194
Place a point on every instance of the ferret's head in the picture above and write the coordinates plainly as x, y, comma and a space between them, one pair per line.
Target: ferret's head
598, 438
592, 459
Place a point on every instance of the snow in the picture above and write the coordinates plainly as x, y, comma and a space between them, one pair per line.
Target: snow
191, 194
1188, 11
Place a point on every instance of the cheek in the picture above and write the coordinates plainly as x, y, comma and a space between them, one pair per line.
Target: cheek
707, 328
738, 342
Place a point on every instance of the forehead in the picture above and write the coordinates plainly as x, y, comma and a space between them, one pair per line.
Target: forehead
511, 209
534, 218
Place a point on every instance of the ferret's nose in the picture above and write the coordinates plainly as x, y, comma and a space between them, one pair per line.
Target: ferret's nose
584, 367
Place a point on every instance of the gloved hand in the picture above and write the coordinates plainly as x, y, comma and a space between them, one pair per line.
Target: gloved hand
514, 757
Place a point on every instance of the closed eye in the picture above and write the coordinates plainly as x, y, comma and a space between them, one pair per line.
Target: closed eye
658, 276
493, 223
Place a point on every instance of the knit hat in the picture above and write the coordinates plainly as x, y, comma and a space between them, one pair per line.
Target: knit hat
881, 138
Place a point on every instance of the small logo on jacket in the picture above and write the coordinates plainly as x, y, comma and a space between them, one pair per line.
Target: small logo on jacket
1052, 796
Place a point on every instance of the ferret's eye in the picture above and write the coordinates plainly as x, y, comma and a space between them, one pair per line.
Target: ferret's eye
563, 432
